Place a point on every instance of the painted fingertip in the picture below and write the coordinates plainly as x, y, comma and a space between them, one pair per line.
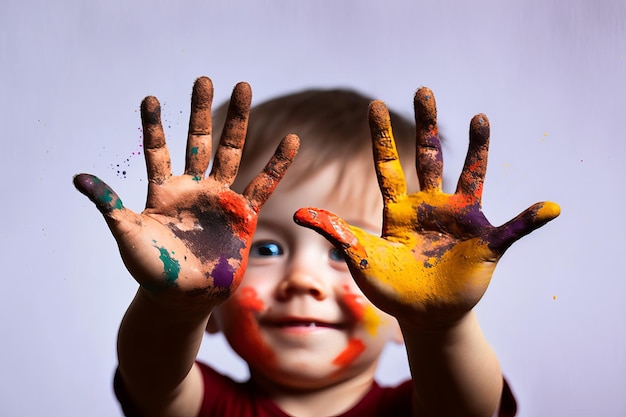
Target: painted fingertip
548, 211
242, 92
379, 115
480, 127
289, 146
203, 89
202, 93
304, 216
105, 199
425, 106
151, 110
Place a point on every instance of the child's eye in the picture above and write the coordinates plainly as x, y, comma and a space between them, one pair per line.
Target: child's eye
265, 249
336, 255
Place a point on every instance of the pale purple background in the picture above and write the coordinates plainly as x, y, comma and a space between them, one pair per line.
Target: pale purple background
550, 75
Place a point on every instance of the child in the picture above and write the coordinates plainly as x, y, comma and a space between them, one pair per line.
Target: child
313, 311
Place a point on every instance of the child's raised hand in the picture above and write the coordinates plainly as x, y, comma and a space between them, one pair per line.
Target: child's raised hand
437, 252
192, 240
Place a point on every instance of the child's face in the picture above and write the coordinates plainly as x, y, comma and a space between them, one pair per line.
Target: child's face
298, 319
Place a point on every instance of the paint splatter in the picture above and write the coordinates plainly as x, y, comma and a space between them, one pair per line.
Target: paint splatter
122, 168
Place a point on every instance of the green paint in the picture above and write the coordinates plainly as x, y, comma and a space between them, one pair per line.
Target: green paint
197, 178
107, 197
194, 150
171, 267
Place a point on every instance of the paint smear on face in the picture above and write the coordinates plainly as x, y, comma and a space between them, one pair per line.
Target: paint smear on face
350, 353
246, 339
362, 311
249, 299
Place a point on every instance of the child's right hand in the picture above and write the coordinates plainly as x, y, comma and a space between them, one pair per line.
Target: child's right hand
189, 247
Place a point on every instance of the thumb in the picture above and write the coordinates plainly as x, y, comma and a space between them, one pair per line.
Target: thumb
103, 196
526, 222
336, 230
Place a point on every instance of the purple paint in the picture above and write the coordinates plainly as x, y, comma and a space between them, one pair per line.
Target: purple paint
223, 273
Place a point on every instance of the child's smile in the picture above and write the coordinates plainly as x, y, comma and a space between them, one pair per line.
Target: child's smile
306, 320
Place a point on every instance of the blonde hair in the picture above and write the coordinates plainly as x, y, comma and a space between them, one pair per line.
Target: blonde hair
333, 128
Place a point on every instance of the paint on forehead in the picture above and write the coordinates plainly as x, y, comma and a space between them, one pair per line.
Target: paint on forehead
350, 353
223, 273
363, 311
171, 266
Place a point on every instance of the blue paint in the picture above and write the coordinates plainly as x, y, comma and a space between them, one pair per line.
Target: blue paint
171, 266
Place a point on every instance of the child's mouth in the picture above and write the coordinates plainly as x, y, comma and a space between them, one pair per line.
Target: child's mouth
308, 324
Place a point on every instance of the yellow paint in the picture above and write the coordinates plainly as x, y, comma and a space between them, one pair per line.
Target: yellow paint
548, 211
371, 319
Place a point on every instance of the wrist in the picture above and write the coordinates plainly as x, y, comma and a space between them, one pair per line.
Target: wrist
182, 306
437, 327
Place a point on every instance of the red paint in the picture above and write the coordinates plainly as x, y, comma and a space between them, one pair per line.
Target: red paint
246, 339
250, 300
355, 303
243, 226
350, 353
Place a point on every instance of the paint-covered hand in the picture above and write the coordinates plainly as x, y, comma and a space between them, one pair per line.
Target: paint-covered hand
437, 252
191, 242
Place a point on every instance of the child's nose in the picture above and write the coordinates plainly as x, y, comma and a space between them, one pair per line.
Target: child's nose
301, 280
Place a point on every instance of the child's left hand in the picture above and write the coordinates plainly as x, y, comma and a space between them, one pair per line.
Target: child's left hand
437, 252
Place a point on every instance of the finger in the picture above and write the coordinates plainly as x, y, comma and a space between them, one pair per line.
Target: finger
200, 128
263, 185
429, 159
103, 196
530, 219
335, 230
157, 156
388, 168
473, 174
228, 153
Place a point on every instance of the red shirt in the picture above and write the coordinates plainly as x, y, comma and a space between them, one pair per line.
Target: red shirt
225, 397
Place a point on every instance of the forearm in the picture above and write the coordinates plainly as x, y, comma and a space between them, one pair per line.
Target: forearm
454, 370
157, 347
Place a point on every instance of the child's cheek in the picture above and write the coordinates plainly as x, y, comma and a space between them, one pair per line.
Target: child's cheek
246, 338
363, 311
350, 353
366, 316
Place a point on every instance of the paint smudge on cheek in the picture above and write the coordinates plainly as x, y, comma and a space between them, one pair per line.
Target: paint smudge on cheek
246, 338
250, 300
363, 311
350, 353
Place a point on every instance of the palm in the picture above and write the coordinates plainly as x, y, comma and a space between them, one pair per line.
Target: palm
437, 251
193, 237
